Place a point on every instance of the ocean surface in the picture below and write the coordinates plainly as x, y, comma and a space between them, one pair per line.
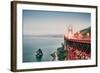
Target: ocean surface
48, 45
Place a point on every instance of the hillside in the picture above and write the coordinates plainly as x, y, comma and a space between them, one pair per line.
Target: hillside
85, 31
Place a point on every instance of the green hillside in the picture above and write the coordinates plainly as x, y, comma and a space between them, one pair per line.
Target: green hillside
85, 31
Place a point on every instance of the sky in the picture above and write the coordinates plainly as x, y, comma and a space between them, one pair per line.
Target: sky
37, 22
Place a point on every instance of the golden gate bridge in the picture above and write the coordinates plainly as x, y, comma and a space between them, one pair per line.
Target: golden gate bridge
77, 47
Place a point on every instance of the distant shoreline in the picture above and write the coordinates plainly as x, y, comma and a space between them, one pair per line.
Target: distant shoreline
59, 36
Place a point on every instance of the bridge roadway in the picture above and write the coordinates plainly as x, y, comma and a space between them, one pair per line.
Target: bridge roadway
84, 41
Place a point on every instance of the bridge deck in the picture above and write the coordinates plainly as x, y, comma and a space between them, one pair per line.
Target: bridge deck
80, 41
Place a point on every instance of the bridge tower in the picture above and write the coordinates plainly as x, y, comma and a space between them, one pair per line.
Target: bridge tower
70, 32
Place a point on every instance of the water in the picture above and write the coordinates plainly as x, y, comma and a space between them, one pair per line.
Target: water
47, 44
